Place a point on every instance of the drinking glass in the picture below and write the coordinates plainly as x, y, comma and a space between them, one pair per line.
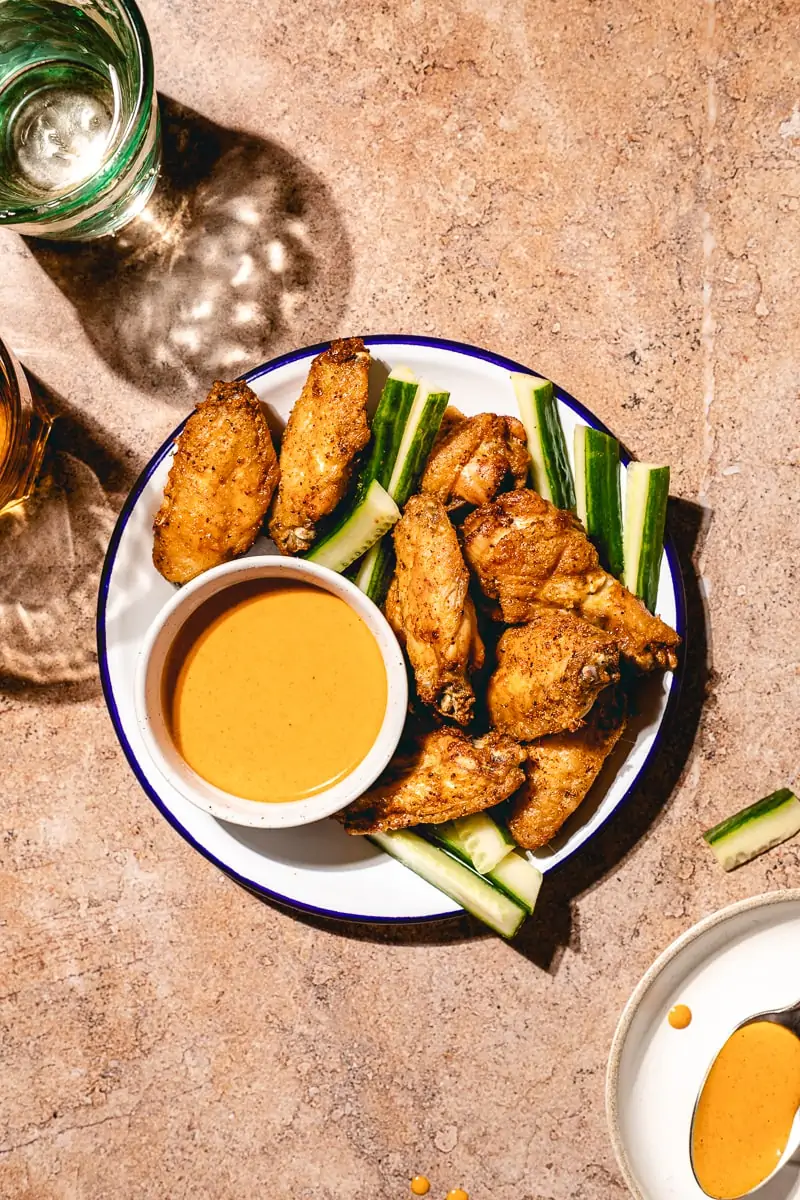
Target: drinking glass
79, 129
24, 429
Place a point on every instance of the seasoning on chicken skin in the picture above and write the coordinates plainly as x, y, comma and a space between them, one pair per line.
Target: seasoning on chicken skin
327, 428
431, 611
437, 776
527, 552
560, 771
475, 458
219, 486
549, 674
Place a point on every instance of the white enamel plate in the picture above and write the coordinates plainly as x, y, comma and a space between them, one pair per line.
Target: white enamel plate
319, 868
732, 965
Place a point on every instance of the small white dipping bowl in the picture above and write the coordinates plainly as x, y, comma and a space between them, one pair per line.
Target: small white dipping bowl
153, 722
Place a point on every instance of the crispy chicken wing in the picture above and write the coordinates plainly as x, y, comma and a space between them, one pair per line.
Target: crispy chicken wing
526, 552
549, 674
431, 611
560, 771
219, 486
475, 458
437, 776
326, 429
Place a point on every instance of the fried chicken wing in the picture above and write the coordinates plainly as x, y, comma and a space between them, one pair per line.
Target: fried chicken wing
560, 771
475, 458
219, 486
438, 776
526, 552
327, 428
431, 611
549, 674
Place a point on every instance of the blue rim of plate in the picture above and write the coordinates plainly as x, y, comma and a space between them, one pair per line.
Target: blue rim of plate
267, 368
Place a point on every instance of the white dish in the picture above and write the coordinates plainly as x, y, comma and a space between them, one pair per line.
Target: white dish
320, 868
153, 724
733, 964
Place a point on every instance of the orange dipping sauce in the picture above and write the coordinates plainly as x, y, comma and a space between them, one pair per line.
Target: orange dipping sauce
746, 1109
274, 691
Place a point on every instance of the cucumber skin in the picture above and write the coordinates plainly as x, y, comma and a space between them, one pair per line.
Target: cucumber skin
655, 521
420, 447
377, 586
604, 510
550, 438
746, 816
470, 879
388, 423
641, 575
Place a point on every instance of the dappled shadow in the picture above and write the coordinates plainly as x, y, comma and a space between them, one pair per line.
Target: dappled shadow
52, 551
239, 254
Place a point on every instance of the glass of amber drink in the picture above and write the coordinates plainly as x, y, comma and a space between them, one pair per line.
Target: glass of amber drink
24, 429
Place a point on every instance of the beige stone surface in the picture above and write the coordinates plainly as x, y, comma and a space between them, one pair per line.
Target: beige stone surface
610, 192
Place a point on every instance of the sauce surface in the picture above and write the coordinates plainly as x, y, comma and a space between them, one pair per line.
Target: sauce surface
746, 1109
680, 1016
274, 690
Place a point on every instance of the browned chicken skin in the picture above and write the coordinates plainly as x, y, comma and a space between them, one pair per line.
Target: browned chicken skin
327, 428
219, 486
526, 552
438, 776
431, 611
549, 674
560, 771
475, 458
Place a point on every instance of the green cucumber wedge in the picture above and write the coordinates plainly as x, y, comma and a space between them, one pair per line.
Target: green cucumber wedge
646, 493
597, 492
755, 829
551, 475
391, 415
518, 878
475, 894
373, 516
414, 446
476, 838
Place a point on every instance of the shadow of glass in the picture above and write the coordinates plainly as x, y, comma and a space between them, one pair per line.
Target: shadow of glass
52, 551
239, 254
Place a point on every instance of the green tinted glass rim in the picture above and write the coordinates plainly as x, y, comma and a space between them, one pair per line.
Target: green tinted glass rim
68, 203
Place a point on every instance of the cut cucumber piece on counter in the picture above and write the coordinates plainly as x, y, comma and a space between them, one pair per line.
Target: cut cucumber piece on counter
750, 832
414, 446
371, 518
550, 470
477, 839
518, 878
646, 493
597, 493
493, 907
388, 424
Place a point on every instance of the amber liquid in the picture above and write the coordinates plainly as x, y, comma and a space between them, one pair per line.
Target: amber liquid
24, 429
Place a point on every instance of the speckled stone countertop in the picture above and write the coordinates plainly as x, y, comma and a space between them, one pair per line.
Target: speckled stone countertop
610, 192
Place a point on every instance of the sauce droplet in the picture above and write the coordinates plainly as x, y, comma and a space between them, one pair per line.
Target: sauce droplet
457, 1194
680, 1017
420, 1185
